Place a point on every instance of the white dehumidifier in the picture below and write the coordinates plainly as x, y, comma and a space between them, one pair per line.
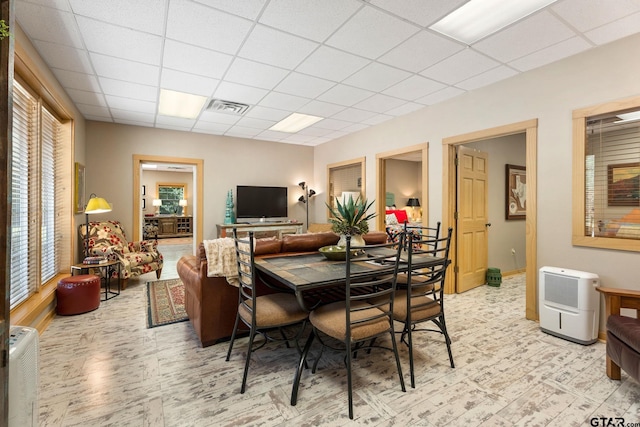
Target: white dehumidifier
23, 376
569, 304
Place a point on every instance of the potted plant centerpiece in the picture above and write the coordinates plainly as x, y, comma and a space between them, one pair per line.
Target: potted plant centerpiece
350, 219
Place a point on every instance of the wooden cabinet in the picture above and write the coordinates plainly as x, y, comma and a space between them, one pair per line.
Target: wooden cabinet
171, 226
261, 229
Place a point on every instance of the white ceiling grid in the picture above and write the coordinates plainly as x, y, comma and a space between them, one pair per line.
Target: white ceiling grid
356, 63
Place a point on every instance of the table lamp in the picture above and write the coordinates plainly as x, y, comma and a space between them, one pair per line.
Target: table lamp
94, 205
157, 203
183, 204
414, 203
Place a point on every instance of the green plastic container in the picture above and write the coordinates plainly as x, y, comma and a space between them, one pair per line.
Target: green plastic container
494, 277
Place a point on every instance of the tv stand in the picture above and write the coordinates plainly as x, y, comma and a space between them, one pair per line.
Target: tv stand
261, 229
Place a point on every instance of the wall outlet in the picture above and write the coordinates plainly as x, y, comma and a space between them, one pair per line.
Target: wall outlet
513, 251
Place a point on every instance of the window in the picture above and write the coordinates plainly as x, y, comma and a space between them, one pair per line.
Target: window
171, 194
40, 219
607, 185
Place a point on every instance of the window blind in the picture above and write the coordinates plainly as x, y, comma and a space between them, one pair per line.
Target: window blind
612, 178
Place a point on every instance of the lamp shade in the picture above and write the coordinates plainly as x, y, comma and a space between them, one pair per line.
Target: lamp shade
413, 202
182, 202
97, 205
157, 202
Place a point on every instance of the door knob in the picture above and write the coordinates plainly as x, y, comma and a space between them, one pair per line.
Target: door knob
488, 224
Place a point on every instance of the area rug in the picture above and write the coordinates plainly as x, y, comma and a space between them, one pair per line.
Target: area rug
165, 302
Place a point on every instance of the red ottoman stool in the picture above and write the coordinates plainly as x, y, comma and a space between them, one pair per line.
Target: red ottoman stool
78, 294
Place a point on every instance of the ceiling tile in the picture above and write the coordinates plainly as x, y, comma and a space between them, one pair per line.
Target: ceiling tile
314, 131
376, 77
188, 83
133, 115
251, 122
275, 47
353, 115
143, 15
421, 51
495, 74
207, 127
331, 64
249, 9
44, 24
73, 80
422, 12
379, 103
220, 118
94, 110
550, 54
242, 132
195, 60
371, 33
239, 93
120, 42
303, 85
345, 95
406, 108
203, 26
116, 102
527, 36
314, 20
271, 135
265, 113
321, 109
252, 73
460, 66
332, 124
621, 28
413, 88
64, 57
283, 101
55, 4
378, 119
598, 12
128, 90
121, 69
175, 121
89, 98
441, 95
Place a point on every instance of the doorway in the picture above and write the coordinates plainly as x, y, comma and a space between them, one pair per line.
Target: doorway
197, 164
415, 153
449, 198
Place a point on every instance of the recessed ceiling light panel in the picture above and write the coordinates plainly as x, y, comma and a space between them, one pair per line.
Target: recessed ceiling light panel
180, 104
295, 122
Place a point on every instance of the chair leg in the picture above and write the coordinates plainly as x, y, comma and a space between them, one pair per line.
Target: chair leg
613, 370
395, 352
443, 327
233, 336
410, 345
349, 380
252, 335
303, 361
158, 273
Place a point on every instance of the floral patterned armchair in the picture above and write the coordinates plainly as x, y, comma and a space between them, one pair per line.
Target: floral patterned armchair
107, 238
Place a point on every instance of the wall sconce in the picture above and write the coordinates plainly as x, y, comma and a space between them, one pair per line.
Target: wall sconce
157, 203
305, 197
95, 205
183, 204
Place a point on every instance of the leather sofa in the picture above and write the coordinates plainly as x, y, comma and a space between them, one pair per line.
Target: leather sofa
212, 303
623, 333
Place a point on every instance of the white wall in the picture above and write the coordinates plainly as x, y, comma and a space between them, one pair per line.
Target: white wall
404, 180
227, 162
549, 94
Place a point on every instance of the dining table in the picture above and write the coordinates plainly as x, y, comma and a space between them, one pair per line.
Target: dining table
313, 274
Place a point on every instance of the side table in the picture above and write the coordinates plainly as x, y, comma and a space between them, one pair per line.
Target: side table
106, 270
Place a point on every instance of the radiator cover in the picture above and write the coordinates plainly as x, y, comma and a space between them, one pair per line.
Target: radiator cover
569, 304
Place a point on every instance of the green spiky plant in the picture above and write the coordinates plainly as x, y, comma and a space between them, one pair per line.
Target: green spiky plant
350, 218
4, 29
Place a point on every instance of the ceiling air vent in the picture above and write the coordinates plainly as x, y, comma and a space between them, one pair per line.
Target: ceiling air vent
229, 107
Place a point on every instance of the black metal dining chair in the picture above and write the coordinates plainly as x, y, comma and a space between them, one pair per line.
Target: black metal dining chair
422, 299
353, 324
265, 314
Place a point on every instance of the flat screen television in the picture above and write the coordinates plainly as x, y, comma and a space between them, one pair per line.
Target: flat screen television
258, 202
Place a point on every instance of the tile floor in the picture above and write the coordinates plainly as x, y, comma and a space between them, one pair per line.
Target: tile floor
105, 368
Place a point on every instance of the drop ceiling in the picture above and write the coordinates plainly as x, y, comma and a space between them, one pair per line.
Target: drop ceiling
355, 63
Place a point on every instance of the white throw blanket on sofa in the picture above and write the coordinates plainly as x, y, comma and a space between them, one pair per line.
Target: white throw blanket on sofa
221, 259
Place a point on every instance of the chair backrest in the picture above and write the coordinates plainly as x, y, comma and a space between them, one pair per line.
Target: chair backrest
427, 281
424, 233
107, 233
362, 286
246, 272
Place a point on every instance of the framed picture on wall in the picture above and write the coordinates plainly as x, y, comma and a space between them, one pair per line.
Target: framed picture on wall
79, 189
623, 184
516, 192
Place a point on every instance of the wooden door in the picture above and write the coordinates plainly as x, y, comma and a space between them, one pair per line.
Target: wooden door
473, 222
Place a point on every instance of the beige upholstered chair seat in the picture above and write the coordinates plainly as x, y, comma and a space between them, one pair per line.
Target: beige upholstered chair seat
332, 320
274, 310
423, 307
